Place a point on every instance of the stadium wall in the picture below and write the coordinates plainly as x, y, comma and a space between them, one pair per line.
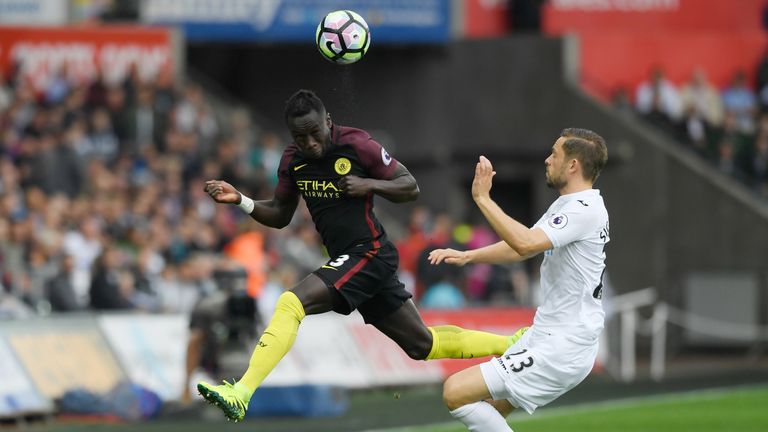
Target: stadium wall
438, 108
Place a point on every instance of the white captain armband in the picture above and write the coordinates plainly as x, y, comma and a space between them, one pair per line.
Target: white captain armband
246, 204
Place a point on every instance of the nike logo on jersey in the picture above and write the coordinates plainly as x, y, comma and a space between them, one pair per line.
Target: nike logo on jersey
329, 267
298, 167
583, 203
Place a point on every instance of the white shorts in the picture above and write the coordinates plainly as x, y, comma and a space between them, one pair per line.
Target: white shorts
539, 368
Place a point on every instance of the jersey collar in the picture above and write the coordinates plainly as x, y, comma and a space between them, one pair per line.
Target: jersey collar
576, 195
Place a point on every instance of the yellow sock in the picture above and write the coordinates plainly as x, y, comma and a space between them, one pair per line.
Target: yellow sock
455, 342
276, 340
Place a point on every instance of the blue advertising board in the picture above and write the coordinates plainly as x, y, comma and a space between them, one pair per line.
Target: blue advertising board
390, 21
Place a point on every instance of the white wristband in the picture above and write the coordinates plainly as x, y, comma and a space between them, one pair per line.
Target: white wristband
246, 204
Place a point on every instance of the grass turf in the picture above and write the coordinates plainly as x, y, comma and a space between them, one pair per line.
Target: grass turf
735, 410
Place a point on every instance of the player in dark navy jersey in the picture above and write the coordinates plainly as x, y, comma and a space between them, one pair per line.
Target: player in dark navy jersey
337, 170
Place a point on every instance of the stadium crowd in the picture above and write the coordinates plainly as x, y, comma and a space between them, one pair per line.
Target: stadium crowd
728, 127
102, 205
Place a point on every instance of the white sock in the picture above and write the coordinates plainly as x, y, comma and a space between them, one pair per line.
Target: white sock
481, 417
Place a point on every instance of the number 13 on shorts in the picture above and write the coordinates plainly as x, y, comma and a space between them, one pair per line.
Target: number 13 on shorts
516, 361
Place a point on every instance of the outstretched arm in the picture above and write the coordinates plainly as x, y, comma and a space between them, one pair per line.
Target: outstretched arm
497, 253
274, 213
402, 187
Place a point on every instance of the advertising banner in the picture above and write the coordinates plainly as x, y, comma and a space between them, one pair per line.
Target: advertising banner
398, 21
152, 350
61, 354
82, 51
650, 16
17, 394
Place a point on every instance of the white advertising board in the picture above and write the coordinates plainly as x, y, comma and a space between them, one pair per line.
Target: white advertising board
151, 349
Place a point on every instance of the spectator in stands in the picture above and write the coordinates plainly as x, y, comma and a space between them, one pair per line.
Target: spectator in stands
658, 100
144, 120
96, 95
112, 286
700, 96
411, 247
84, 244
58, 86
121, 120
57, 169
441, 236
702, 112
740, 101
103, 143
59, 289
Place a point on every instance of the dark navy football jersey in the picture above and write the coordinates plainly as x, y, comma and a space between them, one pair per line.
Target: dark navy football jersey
342, 221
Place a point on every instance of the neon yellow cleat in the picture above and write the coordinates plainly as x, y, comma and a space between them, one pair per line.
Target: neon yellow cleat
516, 337
230, 398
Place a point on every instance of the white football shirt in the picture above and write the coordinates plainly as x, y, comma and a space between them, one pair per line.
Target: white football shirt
572, 271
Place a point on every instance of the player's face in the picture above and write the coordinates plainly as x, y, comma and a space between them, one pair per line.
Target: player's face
312, 133
555, 166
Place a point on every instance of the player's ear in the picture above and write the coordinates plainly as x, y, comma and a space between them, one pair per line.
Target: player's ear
328, 119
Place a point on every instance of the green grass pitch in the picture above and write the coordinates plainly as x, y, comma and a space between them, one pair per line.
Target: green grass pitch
744, 410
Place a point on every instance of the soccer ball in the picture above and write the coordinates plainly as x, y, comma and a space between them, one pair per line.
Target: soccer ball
343, 37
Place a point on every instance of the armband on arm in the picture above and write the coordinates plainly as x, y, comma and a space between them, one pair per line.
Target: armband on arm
246, 204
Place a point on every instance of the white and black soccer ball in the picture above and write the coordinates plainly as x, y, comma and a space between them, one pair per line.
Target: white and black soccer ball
343, 37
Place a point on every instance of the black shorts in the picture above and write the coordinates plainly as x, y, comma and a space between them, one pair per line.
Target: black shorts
366, 279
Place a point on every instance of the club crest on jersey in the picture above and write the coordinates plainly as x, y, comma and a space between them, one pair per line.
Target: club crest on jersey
342, 166
558, 221
385, 157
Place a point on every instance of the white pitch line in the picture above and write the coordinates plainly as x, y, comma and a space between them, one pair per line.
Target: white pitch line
522, 417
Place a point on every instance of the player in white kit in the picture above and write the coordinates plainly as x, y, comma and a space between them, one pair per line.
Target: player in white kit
559, 349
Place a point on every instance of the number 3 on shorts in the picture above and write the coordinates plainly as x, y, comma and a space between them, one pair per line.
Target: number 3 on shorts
518, 365
339, 261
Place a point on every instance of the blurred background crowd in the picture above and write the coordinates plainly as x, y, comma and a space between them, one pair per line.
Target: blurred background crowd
727, 126
102, 205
